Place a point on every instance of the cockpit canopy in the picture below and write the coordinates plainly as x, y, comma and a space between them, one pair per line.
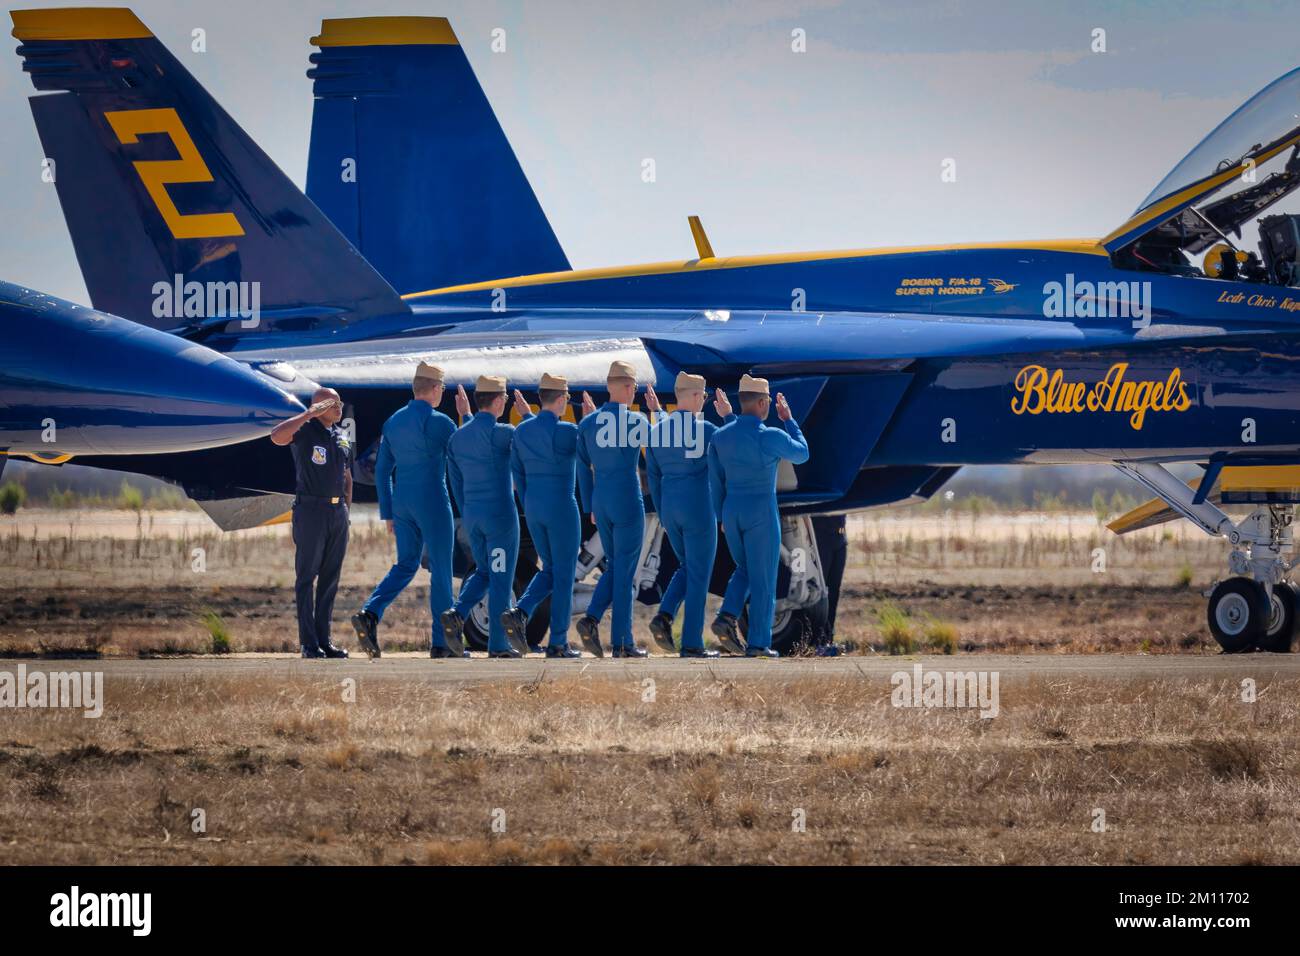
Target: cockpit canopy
1248, 163
1267, 121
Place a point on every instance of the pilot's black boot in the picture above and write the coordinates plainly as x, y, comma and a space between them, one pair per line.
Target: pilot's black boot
452, 627
661, 629
588, 629
334, 653
366, 625
515, 623
727, 631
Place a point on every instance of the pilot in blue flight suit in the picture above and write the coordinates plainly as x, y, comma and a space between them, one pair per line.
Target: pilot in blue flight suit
543, 460
743, 460
322, 460
411, 481
478, 462
677, 469
609, 479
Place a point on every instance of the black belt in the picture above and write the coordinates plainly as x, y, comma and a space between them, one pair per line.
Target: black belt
320, 499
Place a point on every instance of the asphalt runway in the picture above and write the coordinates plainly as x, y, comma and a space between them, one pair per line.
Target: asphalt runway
481, 670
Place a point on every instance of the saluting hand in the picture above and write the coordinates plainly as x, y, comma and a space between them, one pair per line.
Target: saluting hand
652, 400
521, 406
782, 409
721, 404
462, 401
588, 406
320, 408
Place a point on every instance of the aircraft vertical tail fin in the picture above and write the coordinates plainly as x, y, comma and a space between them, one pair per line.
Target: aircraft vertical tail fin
409, 161
157, 181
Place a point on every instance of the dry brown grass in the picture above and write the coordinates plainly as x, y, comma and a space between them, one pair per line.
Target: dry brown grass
711, 772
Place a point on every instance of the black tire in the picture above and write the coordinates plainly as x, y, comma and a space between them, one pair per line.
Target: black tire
1279, 632
793, 631
1238, 614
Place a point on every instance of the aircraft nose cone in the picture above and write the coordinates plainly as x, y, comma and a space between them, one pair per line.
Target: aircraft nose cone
221, 401
107, 386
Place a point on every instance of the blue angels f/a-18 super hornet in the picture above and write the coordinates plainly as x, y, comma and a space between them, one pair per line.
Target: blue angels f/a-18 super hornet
1168, 340
74, 381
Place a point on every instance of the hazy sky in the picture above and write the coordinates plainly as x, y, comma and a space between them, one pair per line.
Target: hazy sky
838, 147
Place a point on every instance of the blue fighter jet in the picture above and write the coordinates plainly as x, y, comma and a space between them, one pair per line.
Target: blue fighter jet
75, 382
1168, 340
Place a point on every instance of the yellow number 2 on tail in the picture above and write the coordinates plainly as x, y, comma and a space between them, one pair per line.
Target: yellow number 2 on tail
156, 174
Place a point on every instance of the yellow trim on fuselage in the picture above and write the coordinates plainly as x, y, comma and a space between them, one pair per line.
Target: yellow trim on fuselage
1186, 195
78, 23
1081, 246
386, 31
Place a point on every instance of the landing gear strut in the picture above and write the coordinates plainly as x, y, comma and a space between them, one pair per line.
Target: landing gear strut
1257, 607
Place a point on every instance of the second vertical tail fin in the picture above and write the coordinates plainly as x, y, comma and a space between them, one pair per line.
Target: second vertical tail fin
409, 161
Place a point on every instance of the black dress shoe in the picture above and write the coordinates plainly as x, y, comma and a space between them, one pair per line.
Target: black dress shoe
764, 652
313, 653
366, 625
661, 629
509, 653
727, 631
630, 650
563, 653
698, 652
334, 653
515, 623
588, 629
452, 626
439, 653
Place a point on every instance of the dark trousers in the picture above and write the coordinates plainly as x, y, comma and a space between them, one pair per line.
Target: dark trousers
320, 534
833, 550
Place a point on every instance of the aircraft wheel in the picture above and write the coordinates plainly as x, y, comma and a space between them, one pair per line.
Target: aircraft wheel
1238, 614
1281, 627
792, 631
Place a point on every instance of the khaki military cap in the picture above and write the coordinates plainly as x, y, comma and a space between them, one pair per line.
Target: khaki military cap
753, 386
621, 370
686, 382
431, 372
488, 384
556, 383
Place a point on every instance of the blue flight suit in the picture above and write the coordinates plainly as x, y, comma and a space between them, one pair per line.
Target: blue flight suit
411, 480
321, 458
609, 453
743, 459
677, 468
478, 462
543, 460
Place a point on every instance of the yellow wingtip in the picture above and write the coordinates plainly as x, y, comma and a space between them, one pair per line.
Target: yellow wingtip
386, 31
78, 23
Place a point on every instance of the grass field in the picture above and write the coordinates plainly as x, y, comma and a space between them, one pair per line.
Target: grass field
707, 770
299, 767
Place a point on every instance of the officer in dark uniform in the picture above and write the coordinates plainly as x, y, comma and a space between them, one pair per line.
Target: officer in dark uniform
322, 458
543, 458
743, 460
411, 481
677, 470
478, 463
